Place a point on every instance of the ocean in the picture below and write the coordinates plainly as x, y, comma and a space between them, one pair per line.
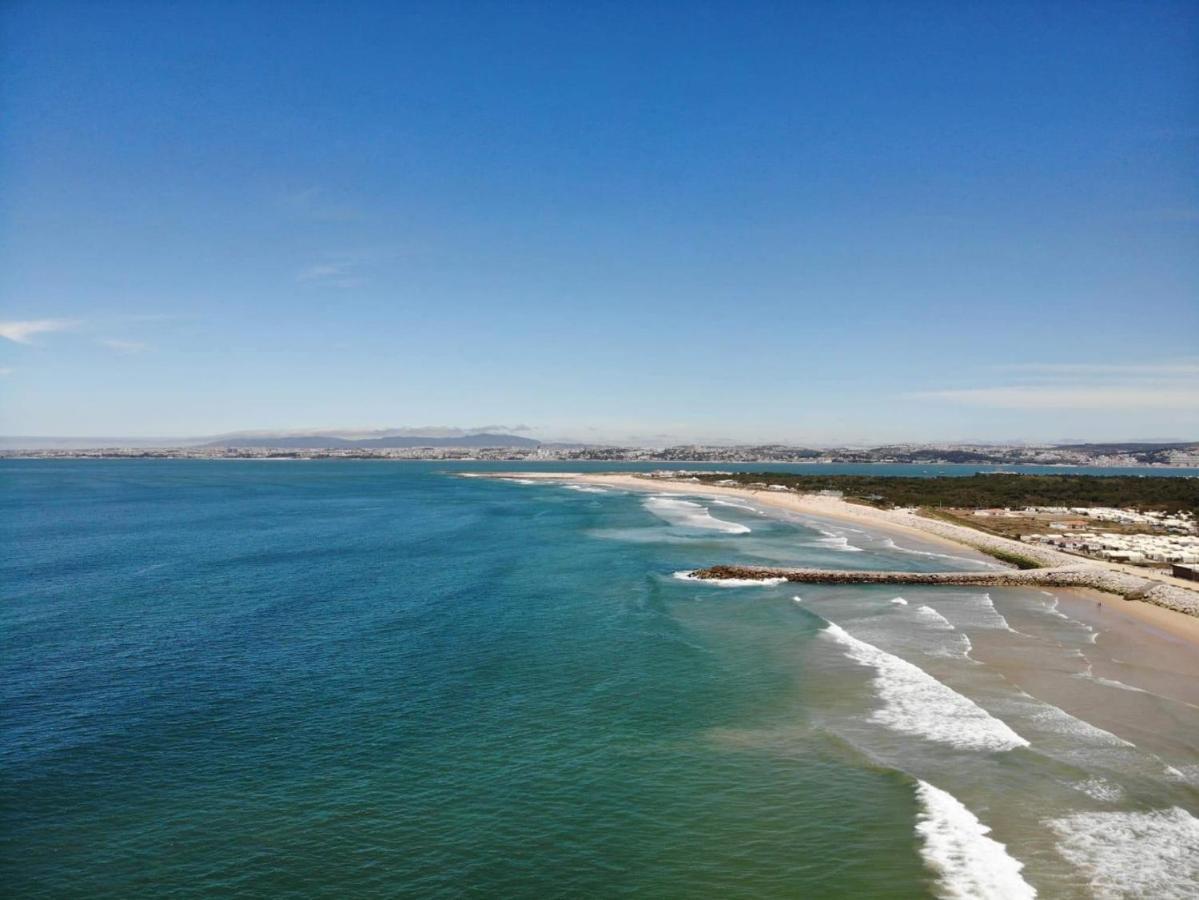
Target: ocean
371, 678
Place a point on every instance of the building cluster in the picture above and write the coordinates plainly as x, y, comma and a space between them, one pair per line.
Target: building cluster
1130, 548
1145, 537
908, 454
1070, 517
499, 454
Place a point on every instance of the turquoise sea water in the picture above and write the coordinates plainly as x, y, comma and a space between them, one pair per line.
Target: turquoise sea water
377, 679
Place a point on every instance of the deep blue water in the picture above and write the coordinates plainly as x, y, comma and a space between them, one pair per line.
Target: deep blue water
378, 679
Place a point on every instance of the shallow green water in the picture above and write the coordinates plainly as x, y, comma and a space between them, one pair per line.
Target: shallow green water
365, 679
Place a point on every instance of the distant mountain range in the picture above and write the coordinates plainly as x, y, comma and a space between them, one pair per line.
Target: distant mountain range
500, 438
329, 442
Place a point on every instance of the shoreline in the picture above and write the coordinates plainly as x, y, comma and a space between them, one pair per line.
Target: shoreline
1152, 612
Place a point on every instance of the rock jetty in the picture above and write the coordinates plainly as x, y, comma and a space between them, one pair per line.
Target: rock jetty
1128, 586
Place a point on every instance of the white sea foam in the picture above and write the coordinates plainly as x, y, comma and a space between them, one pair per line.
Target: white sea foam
933, 619
1111, 682
585, 488
977, 611
899, 601
687, 575
916, 703
1057, 721
1100, 789
691, 515
519, 480
958, 648
1133, 854
841, 544
744, 506
889, 544
1052, 608
832, 540
994, 615
1185, 774
968, 863
1090, 675
797, 599
967, 645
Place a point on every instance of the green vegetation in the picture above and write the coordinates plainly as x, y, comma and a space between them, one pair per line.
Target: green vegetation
1014, 559
1168, 494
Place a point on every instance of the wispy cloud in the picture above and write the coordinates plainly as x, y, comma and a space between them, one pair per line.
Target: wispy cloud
320, 205
1126, 370
124, 347
152, 318
339, 273
5, 370
1165, 384
23, 332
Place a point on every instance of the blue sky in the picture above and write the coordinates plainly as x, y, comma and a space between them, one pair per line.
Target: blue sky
753, 221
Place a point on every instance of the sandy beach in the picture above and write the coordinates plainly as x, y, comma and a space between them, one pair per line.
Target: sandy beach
1152, 615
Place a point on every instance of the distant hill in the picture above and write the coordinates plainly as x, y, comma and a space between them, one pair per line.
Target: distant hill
1132, 447
1147, 453
482, 439
291, 442
325, 442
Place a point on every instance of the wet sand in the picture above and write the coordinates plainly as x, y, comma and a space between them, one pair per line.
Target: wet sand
1166, 661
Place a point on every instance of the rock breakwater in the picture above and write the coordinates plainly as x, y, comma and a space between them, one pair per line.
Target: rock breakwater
1128, 586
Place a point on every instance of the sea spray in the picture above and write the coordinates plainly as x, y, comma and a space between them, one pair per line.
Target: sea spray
689, 575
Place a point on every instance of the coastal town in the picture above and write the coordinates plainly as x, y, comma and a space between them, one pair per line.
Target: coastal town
1147, 537
510, 448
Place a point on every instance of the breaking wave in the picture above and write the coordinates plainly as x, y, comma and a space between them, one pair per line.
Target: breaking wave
1133, 854
744, 506
687, 514
688, 575
1055, 720
977, 611
916, 703
968, 863
889, 544
933, 619
833, 541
